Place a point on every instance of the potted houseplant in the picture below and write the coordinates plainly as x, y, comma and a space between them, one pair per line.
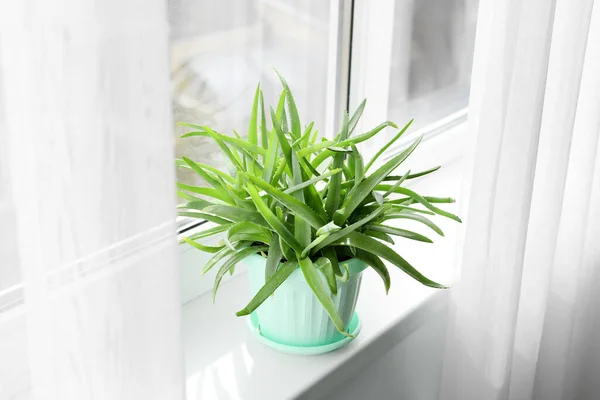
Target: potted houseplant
307, 216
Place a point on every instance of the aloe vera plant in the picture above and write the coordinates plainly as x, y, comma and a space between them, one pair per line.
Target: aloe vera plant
305, 203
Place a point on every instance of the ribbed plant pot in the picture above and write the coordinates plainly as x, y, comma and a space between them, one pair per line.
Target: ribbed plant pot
293, 321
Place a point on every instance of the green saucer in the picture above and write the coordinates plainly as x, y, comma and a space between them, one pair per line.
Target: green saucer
353, 328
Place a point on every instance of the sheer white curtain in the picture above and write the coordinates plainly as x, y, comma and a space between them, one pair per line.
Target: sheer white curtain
525, 316
89, 288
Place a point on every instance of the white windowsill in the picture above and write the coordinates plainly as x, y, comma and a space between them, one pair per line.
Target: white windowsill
223, 360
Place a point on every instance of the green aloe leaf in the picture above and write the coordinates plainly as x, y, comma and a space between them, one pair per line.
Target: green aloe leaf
336, 149
416, 217
312, 181
415, 175
375, 262
312, 197
345, 276
218, 256
329, 228
331, 255
281, 115
333, 191
286, 250
356, 116
297, 207
278, 277
377, 248
274, 257
314, 136
313, 244
181, 164
283, 142
409, 200
348, 173
232, 156
208, 217
237, 135
240, 197
205, 191
253, 131
378, 198
384, 148
316, 147
432, 199
321, 157
186, 196
237, 214
273, 221
271, 158
293, 110
398, 183
324, 265
346, 231
246, 227
217, 172
320, 290
358, 193
420, 199
188, 125
301, 227
253, 125
278, 172
344, 142
350, 166
235, 142
307, 134
250, 237
206, 249
359, 166
231, 262
248, 231
263, 124
208, 178
304, 138
392, 230
195, 204
209, 232
308, 168
379, 235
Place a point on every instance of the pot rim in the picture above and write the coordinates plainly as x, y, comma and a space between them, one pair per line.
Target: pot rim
355, 265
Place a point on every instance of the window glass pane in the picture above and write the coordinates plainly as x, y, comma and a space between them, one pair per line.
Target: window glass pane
411, 59
432, 54
221, 49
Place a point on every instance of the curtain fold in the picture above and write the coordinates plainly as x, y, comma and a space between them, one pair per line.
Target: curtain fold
89, 297
525, 311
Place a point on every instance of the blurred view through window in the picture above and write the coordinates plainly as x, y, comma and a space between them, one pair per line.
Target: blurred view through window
432, 55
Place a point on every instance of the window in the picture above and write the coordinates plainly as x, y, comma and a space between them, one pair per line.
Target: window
221, 49
410, 59
432, 54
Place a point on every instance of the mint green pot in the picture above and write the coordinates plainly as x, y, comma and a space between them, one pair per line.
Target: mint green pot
292, 320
